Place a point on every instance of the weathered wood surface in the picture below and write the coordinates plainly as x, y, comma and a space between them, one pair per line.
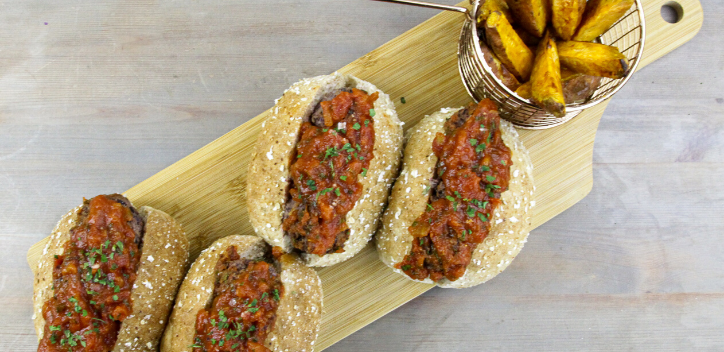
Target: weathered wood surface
584, 285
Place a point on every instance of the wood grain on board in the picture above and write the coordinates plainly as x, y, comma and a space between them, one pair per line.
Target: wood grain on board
205, 190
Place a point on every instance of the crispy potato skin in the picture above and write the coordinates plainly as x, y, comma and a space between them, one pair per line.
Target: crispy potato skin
599, 16
529, 39
566, 16
508, 47
593, 59
532, 15
546, 89
499, 70
577, 87
489, 6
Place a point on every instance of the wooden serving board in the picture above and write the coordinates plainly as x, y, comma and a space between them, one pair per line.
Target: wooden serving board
205, 191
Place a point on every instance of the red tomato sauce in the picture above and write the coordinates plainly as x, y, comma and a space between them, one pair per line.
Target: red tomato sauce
473, 170
93, 278
324, 185
243, 310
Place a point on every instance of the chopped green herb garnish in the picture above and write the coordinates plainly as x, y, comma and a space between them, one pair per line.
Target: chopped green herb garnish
470, 211
403, 100
115, 297
356, 126
429, 207
372, 113
364, 172
483, 217
337, 192
490, 178
406, 267
312, 185
480, 147
473, 142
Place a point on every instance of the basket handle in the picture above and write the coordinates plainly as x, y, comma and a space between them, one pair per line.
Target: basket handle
429, 5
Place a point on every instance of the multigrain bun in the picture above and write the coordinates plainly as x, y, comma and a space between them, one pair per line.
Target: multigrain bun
162, 266
298, 316
269, 173
410, 195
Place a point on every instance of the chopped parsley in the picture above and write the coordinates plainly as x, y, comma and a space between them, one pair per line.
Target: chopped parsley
470, 211
403, 100
406, 267
356, 126
372, 113
364, 172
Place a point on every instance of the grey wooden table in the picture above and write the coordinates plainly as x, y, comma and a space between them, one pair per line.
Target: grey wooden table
96, 96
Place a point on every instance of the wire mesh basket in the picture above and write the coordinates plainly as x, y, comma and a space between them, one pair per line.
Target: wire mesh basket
628, 35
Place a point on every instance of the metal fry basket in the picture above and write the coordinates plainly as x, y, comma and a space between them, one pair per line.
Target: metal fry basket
628, 35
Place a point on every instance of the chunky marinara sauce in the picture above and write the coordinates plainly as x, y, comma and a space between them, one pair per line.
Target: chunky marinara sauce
472, 171
243, 310
92, 279
334, 148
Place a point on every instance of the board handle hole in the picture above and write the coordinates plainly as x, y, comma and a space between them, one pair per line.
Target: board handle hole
672, 12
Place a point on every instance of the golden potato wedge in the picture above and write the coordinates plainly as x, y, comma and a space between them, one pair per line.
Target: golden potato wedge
577, 87
566, 16
532, 15
599, 16
546, 89
489, 6
499, 70
507, 46
593, 59
529, 39
524, 90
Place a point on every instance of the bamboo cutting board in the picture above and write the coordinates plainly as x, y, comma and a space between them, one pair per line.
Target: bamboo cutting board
206, 190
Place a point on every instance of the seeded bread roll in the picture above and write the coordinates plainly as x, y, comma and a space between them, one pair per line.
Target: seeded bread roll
269, 174
163, 263
298, 316
410, 195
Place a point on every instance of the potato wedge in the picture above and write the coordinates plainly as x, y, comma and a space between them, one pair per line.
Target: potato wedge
593, 59
507, 45
529, 39
546, 90
599, 16
532, 15
524, 90
499, 70
577, 87
489, 6
566, 16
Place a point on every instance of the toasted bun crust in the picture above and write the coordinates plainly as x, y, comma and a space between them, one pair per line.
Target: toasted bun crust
298, 316
268, 177
163, 262
511, 221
